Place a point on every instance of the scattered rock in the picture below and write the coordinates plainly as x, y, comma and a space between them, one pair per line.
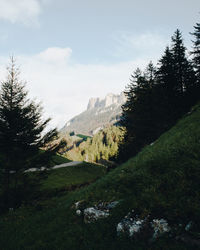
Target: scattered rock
106, 205
79, 205
91, 214
78, 212
130, 224
188, 226
160, 226
112, 204
76, 204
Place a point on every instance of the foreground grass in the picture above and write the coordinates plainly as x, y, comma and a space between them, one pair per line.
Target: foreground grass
72, 176
162, 181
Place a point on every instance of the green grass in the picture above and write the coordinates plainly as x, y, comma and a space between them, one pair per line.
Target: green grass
162, 180
72, 176
58, 159
85, 137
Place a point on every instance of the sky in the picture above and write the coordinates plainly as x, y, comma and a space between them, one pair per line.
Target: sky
71, 50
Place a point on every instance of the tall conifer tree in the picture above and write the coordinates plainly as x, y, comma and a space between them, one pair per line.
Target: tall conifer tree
157, 98
139, 111
196, 50
196, 62
179, 59
21, 134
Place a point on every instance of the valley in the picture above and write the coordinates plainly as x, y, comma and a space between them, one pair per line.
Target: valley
104, 152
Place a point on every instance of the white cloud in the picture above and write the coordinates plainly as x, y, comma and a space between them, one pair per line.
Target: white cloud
55, 55
144, 41
65, 88
145, 44
23, 11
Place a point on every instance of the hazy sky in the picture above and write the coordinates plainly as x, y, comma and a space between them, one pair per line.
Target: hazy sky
71, 50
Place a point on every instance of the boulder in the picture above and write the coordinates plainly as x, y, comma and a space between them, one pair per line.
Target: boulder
160, 226
130, 225
91, 214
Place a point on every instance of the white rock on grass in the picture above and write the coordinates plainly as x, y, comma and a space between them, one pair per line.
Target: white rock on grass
188, 226
160, 226
112, 204
76, 204
78, 212
132, 224
91, 214
129, 225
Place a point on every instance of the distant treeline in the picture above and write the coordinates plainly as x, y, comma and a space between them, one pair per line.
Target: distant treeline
102, 146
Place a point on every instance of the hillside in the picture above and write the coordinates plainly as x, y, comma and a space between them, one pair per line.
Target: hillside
160, 186
103, 146
99, 114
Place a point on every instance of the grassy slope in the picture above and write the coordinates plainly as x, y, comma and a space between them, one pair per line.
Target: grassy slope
72, 176
58, 159
162, 180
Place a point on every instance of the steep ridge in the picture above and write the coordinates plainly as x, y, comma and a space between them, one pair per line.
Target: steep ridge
99, 114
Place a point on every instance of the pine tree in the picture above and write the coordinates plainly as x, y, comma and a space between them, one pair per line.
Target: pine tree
157, 98
185, 77
166, 72
139, 112
166, 77
176, 75
150, 74
179, 59
21, 134
196, 50
196, 59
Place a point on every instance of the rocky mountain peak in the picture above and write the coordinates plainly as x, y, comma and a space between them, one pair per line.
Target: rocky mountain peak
100, 113
93, 102
109, 100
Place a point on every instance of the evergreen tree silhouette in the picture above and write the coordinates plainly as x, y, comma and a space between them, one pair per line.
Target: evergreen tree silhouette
196, 60
21, 135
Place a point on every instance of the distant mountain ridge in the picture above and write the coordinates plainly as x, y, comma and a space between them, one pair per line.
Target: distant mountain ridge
99, 114
109, 100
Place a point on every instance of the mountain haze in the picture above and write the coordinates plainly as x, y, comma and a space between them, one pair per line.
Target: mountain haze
99, 114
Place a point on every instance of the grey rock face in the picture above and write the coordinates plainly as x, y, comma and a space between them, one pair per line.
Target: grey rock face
109, 100
99, 114
93, 103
